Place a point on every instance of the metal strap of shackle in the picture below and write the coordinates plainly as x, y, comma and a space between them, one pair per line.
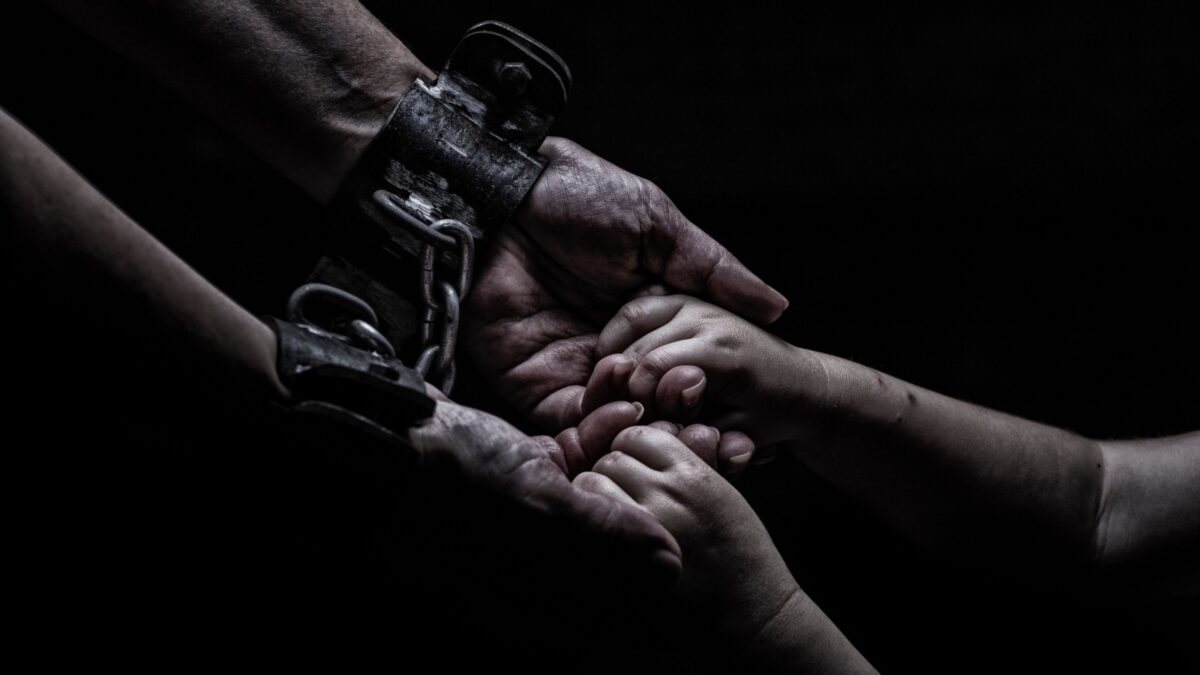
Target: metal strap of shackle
454, 161
337, 365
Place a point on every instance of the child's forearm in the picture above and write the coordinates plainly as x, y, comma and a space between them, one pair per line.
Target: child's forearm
90, 259
800, 638
949, 472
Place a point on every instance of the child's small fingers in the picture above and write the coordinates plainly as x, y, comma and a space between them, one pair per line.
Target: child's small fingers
643, 384
702, 440
664, 425
632, 475
637, 318
735, 452
652, 289
674, 331
609, 382
590, 481
680, 393
597, 430
655, 448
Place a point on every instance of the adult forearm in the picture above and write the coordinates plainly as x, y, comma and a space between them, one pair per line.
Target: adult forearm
87, 257
305, 83
954, 474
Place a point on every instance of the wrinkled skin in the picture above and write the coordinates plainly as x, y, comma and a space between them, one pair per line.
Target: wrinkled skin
589, 237
532, 471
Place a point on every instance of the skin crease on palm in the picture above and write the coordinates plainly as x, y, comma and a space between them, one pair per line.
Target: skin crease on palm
589, 237
494, 455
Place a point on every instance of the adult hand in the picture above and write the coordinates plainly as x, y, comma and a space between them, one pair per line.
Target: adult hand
533, 471
589, 237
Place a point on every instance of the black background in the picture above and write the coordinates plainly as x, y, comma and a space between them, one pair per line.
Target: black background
990, 202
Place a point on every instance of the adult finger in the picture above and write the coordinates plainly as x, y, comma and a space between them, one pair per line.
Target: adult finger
555, 450
698, 264
559, 409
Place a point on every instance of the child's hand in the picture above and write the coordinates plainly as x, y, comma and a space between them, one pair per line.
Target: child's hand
731, 569
674, 350
733, 578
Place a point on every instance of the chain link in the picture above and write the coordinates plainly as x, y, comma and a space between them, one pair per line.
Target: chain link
441, 300
354, 322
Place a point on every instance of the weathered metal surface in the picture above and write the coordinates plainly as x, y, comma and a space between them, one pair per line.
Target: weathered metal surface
339, 365
458, 155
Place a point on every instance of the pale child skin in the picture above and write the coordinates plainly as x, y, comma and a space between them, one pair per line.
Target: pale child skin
950, 474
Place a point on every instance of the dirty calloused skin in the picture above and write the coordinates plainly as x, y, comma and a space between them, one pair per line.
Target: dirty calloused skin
589, 237
533, 471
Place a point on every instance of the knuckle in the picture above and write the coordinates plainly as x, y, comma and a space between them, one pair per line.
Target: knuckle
693, 473
650, 187
609, 461
671, 511
634, 312
639, 433
727, 340
654, 364
588, 480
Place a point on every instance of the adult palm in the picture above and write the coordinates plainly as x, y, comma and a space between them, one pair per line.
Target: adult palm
589, 237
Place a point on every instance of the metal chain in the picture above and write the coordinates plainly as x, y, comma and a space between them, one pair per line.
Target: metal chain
440, 299
355, 323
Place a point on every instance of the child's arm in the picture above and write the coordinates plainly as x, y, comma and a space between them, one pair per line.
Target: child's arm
733, 578
948, 472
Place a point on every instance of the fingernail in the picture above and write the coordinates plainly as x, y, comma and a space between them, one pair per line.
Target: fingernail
781, 302
738, 463
691, 395
782, 299
641, 410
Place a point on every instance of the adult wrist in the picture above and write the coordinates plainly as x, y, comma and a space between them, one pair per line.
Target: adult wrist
453, 159
357, 123
462, 146
332, 362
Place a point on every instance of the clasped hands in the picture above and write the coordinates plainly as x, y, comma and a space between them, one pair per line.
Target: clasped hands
551, 325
